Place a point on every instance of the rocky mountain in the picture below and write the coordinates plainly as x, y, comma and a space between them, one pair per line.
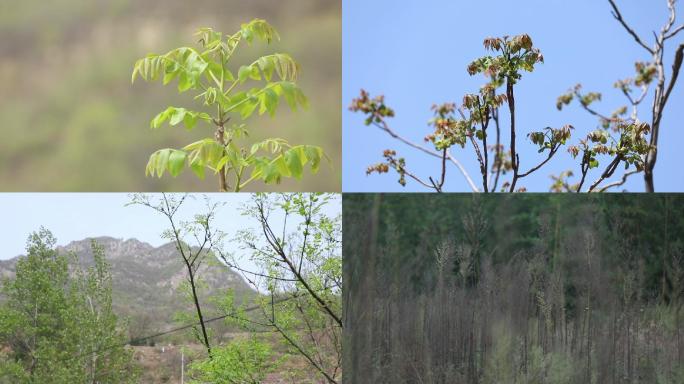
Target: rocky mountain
146, 281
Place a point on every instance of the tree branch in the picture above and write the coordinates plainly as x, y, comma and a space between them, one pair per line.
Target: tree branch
618, 16
608, 172
272, 240
383, 126
551, 153
619, 182
676, 66
514, 156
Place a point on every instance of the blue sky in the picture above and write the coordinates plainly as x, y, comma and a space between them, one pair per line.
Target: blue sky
75, 216
416, 53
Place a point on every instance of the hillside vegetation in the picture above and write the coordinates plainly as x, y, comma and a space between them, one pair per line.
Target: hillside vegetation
524, 289
146, 282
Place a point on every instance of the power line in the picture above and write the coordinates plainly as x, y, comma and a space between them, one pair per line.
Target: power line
182, 328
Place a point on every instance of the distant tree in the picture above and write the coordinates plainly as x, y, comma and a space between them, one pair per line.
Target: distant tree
57, 322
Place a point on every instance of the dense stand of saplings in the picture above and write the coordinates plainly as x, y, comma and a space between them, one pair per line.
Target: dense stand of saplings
514, 290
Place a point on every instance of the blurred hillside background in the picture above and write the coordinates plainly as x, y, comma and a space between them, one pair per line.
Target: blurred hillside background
72, 121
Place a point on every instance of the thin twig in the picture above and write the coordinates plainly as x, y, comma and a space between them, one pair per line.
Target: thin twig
551, 153
584, 168
674, 32
497, 155
438, 186
463, 171
618, 16
607, 173
619, 182
676, 66
483, 167
383, 126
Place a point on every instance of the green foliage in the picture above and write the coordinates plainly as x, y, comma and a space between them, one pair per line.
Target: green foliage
207, 72
516, 54
375, 108
630, 147
501, 365
391, 161
60, 328
300, 275
239, 362
458, 125
550, 138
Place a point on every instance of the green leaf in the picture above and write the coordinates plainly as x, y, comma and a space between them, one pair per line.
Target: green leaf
222, 163
248, 107
267, 67
176, 162
293, 160
243, 73
160, 118
177, 116
273, 145
301, 98
260, 29
269, 102
184, 82
266, 170
207, 69
282, 166
168, 77
198, 168
207, 152
162, 160
190, 120
289, 93
314, 155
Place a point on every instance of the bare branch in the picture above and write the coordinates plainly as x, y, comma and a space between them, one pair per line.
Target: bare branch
608, 172
551, 153
497, 153
276, 246
674, 32
670, 21
618, 16
383, 126
463, 171
514, 156
676, 66
619, 182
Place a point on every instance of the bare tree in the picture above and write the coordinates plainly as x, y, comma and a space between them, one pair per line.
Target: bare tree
193, 257
296, 246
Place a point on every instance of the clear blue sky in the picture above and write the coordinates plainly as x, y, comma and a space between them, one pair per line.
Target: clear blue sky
75, 216
416, 53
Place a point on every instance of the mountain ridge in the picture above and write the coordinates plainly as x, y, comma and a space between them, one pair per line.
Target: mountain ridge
147, 279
